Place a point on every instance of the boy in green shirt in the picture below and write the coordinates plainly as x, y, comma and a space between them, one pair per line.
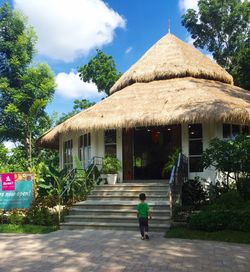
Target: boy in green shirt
143, 213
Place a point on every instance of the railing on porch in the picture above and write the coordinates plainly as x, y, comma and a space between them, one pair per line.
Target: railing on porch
72, 176
75, 173
178, 176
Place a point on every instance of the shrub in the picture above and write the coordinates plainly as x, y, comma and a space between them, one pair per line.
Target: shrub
230, 200
243, 187
230, 157
16, 218
111, 165
220, 220
42, 212
193, 193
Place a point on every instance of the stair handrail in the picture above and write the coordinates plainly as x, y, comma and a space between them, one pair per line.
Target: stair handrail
94, 161
179, 175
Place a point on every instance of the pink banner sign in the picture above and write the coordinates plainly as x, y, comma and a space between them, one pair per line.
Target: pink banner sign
8, 182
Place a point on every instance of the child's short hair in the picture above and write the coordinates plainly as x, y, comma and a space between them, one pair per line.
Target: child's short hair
142, 196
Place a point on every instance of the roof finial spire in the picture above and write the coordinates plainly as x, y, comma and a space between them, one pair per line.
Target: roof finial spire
168, 25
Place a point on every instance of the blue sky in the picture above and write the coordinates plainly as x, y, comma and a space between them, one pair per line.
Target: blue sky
69, 31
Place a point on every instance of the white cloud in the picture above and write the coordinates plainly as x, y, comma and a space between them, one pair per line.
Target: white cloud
188, 4
69, 29
128, 50
71, 86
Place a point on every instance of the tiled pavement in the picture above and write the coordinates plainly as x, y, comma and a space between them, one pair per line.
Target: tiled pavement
108, 251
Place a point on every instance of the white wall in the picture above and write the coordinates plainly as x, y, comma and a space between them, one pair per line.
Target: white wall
97, 145
210, 131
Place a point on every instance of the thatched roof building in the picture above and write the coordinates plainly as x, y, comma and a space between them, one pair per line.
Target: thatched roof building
172, 83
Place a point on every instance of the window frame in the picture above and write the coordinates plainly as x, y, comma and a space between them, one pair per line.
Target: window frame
84, 149
110, 144
68, 154
193, 140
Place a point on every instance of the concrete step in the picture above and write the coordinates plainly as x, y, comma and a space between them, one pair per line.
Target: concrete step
115, 212
114, 207
128, 193
111, 226
131, 186
114, 219
117, 205
126, 197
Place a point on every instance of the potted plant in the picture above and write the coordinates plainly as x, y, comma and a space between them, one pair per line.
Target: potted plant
111, 166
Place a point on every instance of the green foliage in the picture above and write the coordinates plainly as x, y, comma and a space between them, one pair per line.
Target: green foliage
193, 193
17, 44
100, 70
16, 218
231, 157
43, 212
172, 159
25, 90
222, 27
230, 200
243, 187
220, 220
30, 229
111, 165
79, 105
223, 235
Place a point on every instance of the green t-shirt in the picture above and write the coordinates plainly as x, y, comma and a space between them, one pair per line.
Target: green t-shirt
142, 209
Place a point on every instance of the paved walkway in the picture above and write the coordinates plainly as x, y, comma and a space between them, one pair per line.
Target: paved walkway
108, 251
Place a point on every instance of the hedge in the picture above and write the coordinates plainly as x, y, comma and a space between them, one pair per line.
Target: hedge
220, 220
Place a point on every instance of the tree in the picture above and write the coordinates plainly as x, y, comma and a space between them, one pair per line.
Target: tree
17, 42
222, 27
79, 105
24, 90
100, 70
23, 109
230, 157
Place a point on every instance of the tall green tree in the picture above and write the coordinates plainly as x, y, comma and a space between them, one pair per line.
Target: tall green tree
222, 27
25, 90
79, 105
101, 70
17, 45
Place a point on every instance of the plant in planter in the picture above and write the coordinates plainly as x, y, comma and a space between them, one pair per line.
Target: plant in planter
111, 167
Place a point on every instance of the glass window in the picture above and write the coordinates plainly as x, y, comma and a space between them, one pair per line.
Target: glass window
245, 130
85, 149
110, 142
195, 131
235, 130
195, 147
231, 131
68, 155
226, 131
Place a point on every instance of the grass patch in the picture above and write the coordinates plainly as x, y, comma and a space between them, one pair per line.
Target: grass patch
223, 236
31, 229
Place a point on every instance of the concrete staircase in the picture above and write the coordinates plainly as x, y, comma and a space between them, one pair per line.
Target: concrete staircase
113, 207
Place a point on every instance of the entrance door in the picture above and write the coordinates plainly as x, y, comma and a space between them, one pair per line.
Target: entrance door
127, 151
152, 147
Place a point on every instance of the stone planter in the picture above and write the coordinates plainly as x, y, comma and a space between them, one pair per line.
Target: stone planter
112, 178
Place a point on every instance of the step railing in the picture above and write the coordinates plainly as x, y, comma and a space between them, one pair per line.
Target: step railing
79, 173
74, 174
179, 175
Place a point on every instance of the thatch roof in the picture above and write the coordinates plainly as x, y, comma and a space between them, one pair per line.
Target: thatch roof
179, 100
172, 58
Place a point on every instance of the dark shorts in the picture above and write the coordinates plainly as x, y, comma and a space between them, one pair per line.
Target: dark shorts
143, 225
